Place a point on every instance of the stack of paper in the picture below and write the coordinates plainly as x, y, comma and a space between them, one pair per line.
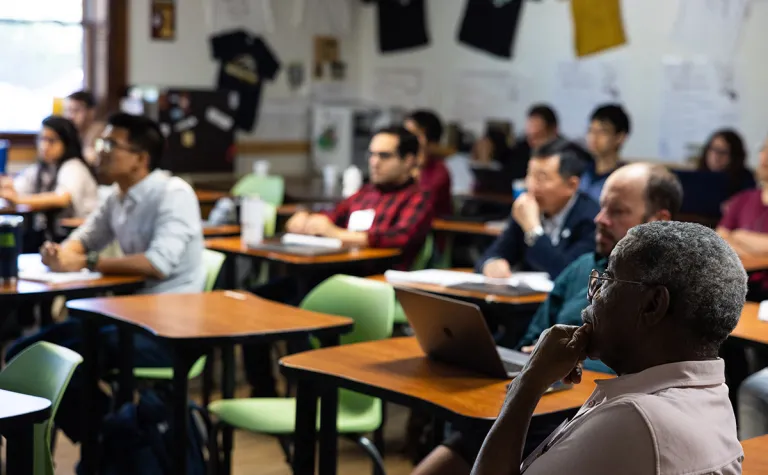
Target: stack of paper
44, 275
304, 240
762, 311
538, 281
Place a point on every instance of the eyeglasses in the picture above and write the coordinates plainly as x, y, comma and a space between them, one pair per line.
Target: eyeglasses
108, 146
596, 282
382, 155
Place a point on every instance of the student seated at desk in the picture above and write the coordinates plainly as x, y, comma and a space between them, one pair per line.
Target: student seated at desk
430, 172
725, 153
552, 223
541, 128
670, 296
635, 194
391, 211
156, 219
608, 129
80, 108
745, 224
59, 180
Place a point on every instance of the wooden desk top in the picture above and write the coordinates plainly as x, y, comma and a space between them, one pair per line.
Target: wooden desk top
208, 231
17, 408
466, 227
749, 327
28, 288
234, 245
755, 456
218, 315
397, 368
469, 294
206, 197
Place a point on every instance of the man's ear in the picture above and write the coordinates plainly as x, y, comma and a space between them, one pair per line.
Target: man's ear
660, 215
655, 306
573, 183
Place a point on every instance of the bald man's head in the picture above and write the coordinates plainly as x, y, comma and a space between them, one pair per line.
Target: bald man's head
633, 195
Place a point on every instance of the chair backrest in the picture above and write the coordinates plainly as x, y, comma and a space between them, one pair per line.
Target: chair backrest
213, 261
425, 254
42, 370
270, 189
369, 303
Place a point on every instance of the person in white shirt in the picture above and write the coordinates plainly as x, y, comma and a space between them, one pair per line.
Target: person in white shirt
61, 179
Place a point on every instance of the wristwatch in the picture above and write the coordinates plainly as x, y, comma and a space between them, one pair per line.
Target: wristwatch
91, 260
533, 235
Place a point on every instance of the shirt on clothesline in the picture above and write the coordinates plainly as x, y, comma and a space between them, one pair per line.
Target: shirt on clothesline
597, 26
402, 25
491, 25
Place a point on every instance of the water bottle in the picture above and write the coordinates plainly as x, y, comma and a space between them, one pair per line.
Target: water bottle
10, 248
252, 218
5, 146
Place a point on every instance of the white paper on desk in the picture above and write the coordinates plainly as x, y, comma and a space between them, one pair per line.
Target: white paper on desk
305, 240
762, 311
44, 275
538, 281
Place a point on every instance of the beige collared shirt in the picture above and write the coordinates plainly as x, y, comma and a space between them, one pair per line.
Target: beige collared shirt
669, 419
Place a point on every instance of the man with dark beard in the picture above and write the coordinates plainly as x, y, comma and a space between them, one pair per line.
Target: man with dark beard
634, 194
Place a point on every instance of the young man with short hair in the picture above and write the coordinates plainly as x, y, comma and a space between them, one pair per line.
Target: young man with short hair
431, 172
609, 127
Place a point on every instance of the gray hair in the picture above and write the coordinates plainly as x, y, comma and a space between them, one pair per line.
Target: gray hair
706, 281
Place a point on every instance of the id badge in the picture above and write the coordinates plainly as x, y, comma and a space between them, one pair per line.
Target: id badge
361, 220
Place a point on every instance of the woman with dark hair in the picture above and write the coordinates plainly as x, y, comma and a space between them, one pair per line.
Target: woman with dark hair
725, 153
60, 179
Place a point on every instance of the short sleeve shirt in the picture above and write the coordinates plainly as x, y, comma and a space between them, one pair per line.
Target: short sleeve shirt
490, 25
402, 25
73, 177
246, 62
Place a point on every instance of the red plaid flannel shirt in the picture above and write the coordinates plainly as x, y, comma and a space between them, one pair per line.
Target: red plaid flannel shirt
403, 217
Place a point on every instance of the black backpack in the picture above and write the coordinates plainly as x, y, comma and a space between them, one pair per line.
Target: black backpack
135, 440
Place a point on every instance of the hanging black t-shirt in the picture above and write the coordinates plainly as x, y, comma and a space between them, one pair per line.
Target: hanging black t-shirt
490, 25
246, 62
402, 25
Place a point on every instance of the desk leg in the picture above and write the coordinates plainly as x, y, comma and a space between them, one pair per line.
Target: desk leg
329, 408
305, 434
89, 447
20, 449
125, 380
227, 392
182, 362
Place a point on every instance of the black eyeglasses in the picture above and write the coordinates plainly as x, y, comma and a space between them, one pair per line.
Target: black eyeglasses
108, 146
382, 155
596, 282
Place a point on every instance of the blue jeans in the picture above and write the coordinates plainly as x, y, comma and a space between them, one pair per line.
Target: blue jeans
753, 406
147, 354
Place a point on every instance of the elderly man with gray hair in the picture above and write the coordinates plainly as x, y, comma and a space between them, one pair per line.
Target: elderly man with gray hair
670, 296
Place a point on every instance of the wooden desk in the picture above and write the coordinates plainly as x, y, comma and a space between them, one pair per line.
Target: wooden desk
465, 227
397, 370
209, 197
225, 230
755, 456
749, 327
468, 294
189, 324
235, 246
29, 290
753, 263
18, 415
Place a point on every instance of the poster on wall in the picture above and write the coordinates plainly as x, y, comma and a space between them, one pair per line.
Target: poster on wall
581, 86
496, 95
163, 20
698, 97
399, 87
253, 15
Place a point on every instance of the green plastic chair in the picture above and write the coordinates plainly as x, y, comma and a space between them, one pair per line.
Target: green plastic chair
420, 263
41, 370
371, 305
213, 261
269, 188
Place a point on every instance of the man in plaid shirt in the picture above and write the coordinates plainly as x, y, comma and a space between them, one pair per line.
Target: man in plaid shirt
389, 212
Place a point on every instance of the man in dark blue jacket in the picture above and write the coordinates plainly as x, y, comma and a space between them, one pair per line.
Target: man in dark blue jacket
552, 223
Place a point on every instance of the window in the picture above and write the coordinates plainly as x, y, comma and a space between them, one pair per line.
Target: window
42, 57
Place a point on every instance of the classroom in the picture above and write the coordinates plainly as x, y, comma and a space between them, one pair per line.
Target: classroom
399, 237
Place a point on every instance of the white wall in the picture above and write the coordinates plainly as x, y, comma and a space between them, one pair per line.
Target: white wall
187, 60
545, 37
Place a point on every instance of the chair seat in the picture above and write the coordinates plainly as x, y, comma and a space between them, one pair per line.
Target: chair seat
278, 415
167, 373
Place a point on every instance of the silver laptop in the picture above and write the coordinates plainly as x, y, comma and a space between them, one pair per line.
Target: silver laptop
455, 332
